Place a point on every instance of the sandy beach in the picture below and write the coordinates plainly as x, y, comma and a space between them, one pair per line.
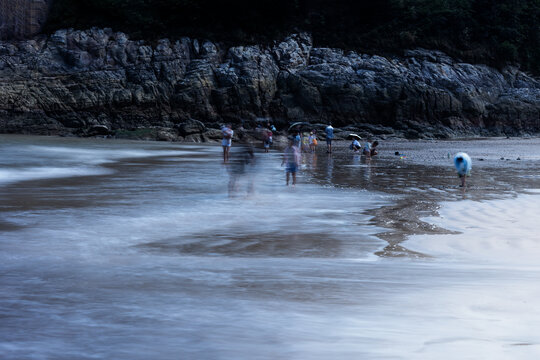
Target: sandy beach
137, 250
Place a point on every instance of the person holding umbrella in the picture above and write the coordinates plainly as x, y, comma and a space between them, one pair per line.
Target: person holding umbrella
355, 145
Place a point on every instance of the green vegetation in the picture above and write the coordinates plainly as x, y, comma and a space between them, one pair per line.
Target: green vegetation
487, 31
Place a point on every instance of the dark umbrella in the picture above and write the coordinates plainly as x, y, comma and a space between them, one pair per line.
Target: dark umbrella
353, 136
299, 125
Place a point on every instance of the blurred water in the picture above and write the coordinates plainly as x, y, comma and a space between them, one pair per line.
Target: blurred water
137, 250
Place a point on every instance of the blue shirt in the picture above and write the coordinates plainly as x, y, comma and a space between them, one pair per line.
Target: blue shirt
329, 132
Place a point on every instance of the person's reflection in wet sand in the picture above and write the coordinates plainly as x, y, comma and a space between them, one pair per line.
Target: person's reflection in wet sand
329, 168
241, 166
356, 159
464, 194
367, 169
312, 161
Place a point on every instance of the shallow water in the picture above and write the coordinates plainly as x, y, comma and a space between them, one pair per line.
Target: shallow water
137, 250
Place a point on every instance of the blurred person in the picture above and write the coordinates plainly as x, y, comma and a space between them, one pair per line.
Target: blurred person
463, 165
242, 165
267, 142
298, 139
226, 143
292, 159
271, 136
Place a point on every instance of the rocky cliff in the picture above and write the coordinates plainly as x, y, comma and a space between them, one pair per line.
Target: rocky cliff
100, 82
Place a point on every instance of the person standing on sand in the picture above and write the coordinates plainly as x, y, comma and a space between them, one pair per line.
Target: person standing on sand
298, 139
292, 159
267, 140
329, 136
227, 133
312, 141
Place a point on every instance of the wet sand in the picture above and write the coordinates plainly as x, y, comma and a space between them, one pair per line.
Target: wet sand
423, 176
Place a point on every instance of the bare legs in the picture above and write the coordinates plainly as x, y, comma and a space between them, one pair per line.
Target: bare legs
226, 154
293, 178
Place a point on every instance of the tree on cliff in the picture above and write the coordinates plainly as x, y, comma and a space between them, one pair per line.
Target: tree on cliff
487, 31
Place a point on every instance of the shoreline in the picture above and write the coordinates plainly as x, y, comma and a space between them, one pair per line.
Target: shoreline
425, 179
280, 137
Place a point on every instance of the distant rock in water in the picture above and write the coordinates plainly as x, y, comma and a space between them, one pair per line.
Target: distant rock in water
101, 82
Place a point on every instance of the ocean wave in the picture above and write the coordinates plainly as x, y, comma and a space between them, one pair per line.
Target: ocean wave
9, 176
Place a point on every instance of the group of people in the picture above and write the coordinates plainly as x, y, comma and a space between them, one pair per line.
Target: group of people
369, 149
302, 142
227, 132
310, 142
306, 142
292, 153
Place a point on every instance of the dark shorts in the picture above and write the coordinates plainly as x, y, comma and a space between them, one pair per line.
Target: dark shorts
329, 141
292, 167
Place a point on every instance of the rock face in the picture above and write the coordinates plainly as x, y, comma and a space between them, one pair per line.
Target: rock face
98, 82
